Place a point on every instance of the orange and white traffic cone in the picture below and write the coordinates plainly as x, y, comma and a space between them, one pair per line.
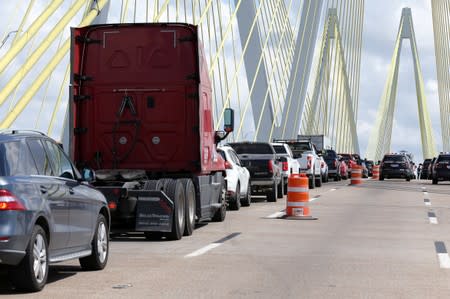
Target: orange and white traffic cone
376, 172
356, 175
297, 204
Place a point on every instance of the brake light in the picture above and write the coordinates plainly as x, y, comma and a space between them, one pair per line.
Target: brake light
112, 205
228, 165
270, 166
285, 166
335, 164
322, 165
309, 161
8, 202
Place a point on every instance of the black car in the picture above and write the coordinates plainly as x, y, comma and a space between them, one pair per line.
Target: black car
48, 212
332, 159
441, 168
369, 165
396, 166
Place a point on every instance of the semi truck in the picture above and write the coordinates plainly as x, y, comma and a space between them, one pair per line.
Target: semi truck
141, 121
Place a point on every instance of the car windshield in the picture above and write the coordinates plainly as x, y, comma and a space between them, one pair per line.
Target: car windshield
330, 155
444, 158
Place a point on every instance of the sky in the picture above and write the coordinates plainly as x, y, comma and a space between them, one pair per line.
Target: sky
381, 23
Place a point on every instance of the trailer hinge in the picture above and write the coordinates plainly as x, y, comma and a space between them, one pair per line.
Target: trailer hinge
189, 38
193, 96
87, 40
79, 98
79, 130
78, 77
193, 76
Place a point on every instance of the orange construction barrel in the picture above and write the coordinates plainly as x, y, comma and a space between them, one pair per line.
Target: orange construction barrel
297, 204
376, 172
356, 175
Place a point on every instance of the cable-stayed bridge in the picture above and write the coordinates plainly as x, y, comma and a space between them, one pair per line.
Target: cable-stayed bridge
287, 67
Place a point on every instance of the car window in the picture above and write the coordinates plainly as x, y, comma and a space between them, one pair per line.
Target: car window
16, 159
40, 157
235, 158
444, 158
280, 149
394, 159
222, 154
252, 148
62, 165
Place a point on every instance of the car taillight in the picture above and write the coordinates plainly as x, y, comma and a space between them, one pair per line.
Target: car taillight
322, 165
335, 164
309, 161
228, 165
285, 166
9, 202
270, 166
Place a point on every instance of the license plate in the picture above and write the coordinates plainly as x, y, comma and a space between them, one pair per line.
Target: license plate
394, 165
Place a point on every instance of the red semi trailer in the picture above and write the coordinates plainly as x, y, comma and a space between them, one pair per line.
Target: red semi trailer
142, 121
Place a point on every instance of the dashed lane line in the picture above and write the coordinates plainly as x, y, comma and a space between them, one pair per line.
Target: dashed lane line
432, 217
441, 251
211, 246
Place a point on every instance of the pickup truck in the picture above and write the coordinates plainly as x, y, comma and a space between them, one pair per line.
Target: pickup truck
289, 165
307, 155
264, 167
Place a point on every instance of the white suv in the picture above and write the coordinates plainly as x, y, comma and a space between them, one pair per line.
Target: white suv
289, 165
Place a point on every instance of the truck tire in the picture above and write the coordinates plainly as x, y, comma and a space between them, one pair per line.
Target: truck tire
26, 277
189, 215
235, 202
247, 200
272, 193
280, 189
220, 214
175, 192
319, 181
100, 247
153, 185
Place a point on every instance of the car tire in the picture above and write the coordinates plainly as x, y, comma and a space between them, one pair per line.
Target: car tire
153, 236
408, 179
319, 181
272, 193
247, 200
381, 178
285, 186
221, 213
435, 181
24, 276
280, 189
175, 191
312, 182
235, 202
190, 206
100, 247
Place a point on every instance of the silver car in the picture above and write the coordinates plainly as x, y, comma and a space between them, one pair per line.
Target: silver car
48, 211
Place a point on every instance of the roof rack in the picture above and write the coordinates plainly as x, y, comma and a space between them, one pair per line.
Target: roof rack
17, 131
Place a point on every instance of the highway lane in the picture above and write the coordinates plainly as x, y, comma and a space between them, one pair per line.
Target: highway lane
376, 240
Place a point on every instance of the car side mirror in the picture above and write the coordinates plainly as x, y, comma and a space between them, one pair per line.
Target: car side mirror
88, 175
228, 120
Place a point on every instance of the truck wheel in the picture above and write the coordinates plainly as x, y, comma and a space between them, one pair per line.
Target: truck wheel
280, 187
31, 274
100, 245
312, 182
153, 185
175, 192
235, 202
246, 201
189, 209
272, 193
220, 214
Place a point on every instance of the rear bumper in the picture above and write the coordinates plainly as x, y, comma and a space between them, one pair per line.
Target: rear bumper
442, 174
11, 257
396, 173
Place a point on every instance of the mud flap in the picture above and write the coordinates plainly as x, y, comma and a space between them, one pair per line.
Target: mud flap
154, 211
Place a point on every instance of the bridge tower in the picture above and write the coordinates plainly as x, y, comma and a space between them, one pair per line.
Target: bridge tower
380, 138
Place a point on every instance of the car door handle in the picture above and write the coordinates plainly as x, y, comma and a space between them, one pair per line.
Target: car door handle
43, 189
71, 191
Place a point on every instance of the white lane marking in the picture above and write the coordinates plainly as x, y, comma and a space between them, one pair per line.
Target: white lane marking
334, 189
276, 215
313, 199
427, 203
433, 220
425, 193
203, 250
444, 260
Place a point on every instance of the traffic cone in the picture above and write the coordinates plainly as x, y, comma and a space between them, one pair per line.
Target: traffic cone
356, 175
297, 204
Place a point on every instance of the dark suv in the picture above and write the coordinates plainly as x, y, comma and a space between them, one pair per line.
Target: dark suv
264, 167
441, 168
48, 212
424, 170
332, 159
396, 166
